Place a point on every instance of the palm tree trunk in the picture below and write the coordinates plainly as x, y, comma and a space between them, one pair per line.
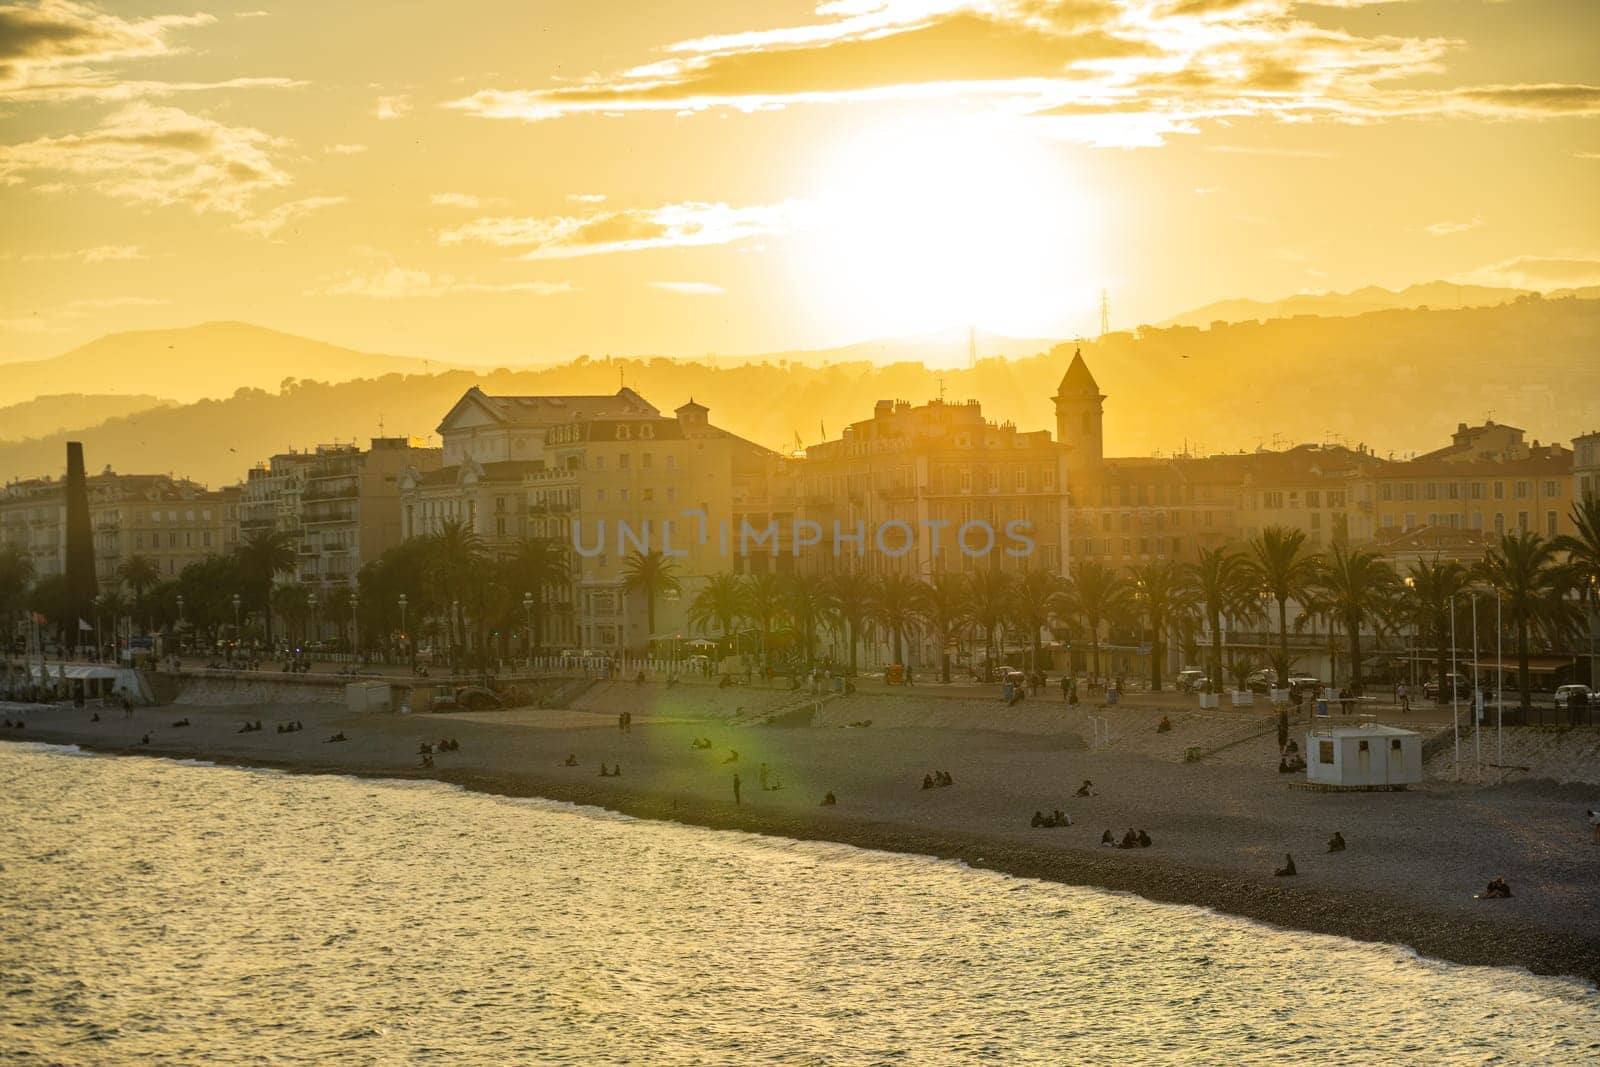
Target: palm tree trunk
1156, 646
1522, 669
1355, 654
850, 635
1444, 659
1216, 653
1283, 642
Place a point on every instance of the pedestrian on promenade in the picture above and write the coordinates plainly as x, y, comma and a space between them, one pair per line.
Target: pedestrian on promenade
736, 787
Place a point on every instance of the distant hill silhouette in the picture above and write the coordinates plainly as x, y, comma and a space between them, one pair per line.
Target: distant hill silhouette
50, 414
1435, 295
1395, 380
209, 360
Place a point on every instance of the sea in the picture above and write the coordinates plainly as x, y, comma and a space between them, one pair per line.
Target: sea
175, 912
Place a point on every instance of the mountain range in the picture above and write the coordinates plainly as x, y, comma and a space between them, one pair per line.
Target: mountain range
1360, 301
1396, 380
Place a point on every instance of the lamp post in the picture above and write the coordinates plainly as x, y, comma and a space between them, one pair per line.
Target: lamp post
460, 636
181, 620
236, 634
312, 600
1411, 653
355, 625
1477, 695
404, 637
527, 643
1455, 721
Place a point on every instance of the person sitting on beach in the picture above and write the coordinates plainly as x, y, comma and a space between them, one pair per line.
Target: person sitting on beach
427, 760
145, 740
1283, 766
1062, 818
927, 781
96, 717
1129, 840
258, 724
424, 749
455, 746
1084, 790
1107, 840
1594, 824
182, 722
603, 772
1336, 842
1294, 747
336, 737
828, 800
572, 760
1287, 870
1038, 819
945, 779
616, 772
246, 728
1496, 890
1164, 726
733, 756
1144, 840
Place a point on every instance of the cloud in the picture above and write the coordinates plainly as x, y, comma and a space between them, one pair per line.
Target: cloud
392, 107
688, 224
455, 200
1129, 72
1445, 229
97, 254
1264, 150
251, 14
587, 198
345, 149
1586, 155
56, 41
1540, 272
400, 283
268, 224
690, 288
156, 155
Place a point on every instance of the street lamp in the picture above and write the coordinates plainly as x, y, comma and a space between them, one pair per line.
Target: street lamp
355, 624
312, 600
1411, 654
403, 635
236, 634
527, 606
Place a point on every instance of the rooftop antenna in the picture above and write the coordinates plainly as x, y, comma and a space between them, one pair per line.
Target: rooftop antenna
941, 389
1105, 313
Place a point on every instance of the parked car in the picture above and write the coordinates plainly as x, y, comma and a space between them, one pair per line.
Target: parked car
1305, 681
1262, 680
1190, 679
1574, 696
1462, 686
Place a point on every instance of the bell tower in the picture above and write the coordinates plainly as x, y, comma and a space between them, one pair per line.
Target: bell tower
1078, 403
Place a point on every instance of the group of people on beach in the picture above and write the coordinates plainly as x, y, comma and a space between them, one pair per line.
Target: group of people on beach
1131, 839
1054, 819
937, 780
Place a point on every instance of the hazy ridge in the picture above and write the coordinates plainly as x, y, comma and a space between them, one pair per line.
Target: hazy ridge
1438, 295
1395, 380
50, 414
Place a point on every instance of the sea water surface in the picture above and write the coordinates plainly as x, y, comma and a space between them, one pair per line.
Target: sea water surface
166, 912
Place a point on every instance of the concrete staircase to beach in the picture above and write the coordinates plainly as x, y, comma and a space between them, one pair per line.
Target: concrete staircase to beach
563, 695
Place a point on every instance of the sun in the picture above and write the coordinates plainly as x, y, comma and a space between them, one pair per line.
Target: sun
928, 225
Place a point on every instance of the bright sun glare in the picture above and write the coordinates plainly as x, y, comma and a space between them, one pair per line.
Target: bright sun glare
924, 226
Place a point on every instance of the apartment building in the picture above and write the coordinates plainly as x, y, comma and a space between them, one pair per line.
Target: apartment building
1586, 466
171, 522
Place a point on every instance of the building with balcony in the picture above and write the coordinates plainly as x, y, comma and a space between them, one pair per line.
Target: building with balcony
1586, 466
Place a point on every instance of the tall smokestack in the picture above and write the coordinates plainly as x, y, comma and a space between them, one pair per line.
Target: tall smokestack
81, 584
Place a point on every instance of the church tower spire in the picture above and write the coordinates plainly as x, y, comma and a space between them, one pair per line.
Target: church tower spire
1079, 402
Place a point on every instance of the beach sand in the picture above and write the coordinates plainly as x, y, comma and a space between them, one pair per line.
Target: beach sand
1219, 826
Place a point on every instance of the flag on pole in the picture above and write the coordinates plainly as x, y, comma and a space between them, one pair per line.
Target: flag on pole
40, 619
84, 627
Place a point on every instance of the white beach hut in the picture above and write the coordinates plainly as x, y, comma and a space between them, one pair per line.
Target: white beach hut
1368, 756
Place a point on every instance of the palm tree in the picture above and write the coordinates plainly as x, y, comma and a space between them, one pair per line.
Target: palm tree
945, 604
1036, 597
720, 601
538, 566
1355, 584
763, 605
807, 603
1430, 589
1532, 585
262, 557
138, 574
989, 602
894, 607
1094, 592
454, 559
851, 594
1583, 560
1219, 578
1279, 564
16, 572
653, 574
1161, 592
293, 603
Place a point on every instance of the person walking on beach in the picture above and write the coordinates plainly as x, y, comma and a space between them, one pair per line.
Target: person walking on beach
736, 787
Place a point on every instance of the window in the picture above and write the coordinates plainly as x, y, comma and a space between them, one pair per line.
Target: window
672, 461
1386, 492
600, 496
1325, 752
1499, 524
1272, 500
1549, 524
648, 495
622, 494
1475, 490
1552, 489
1105, 521
1522, 521
1313, 498
1476, 522
1523, 490
599, 463
622, 461
1316, 520
672, 494
1499, 490
647, 460
1411, 520
1022, 478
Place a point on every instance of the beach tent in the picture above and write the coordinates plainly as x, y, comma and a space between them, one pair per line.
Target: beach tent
1368, 756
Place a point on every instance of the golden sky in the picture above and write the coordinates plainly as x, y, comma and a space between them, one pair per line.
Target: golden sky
499, 180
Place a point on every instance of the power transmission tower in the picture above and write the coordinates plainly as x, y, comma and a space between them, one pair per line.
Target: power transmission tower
1105, 313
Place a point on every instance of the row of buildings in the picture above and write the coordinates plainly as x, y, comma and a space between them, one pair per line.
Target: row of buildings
917, 488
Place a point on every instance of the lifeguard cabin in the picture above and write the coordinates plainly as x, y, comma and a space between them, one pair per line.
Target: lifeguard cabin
1368, 756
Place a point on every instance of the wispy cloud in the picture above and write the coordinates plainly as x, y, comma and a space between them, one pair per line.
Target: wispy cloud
690, 288
97, 254
345, 149
587, 198
392, 107
269, 223
1540, 272
156, 155
466, 200
687, 224
1446, 228
401, 283
1100, 71
251, 14
56, 50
